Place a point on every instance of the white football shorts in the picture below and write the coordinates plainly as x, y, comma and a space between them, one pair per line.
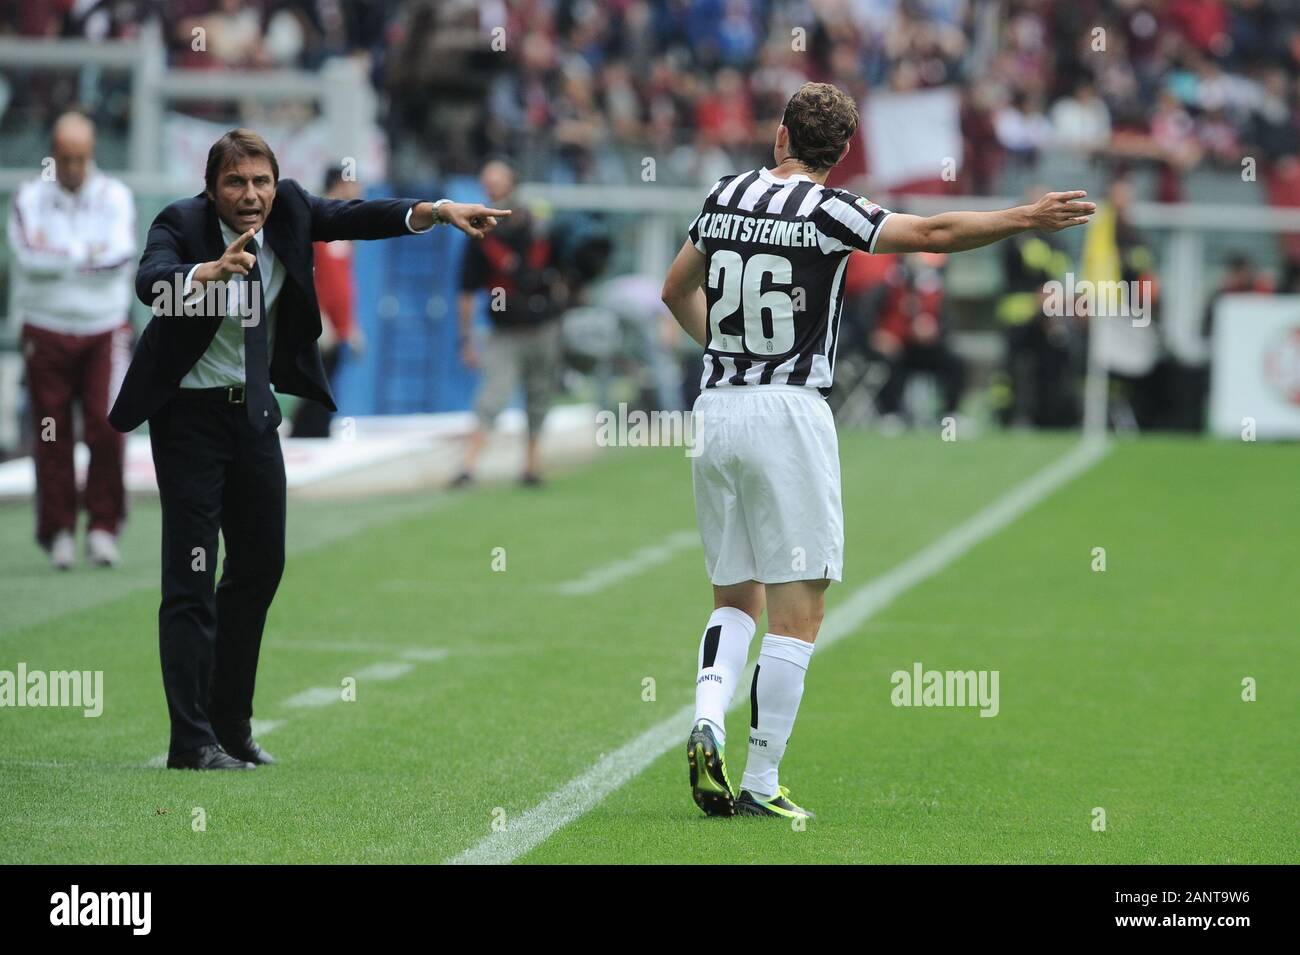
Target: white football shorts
766, 469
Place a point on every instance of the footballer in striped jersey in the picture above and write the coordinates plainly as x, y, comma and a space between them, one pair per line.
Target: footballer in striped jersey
759, 284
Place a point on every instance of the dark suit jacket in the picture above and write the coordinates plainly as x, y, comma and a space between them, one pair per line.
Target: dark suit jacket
187, 233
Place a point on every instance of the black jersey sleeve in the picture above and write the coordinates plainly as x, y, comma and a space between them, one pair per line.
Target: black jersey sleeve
852, 220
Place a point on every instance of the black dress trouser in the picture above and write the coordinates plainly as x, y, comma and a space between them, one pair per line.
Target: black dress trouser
215, 473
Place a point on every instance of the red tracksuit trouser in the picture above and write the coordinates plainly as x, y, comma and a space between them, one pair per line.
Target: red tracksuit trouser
87, 370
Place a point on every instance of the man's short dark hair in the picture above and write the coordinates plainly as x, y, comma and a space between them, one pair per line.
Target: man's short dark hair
233, 146
820, 119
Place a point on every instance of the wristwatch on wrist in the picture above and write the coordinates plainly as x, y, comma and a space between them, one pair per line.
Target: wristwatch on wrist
437, 216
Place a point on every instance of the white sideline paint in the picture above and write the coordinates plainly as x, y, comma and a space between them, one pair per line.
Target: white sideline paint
418, 654
384, 671
325, 695
424, 654
317, 696
584, 792
262, 727
641, 560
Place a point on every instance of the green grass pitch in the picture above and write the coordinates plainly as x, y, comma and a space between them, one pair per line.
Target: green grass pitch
480, 692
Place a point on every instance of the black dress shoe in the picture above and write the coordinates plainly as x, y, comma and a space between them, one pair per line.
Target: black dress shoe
211, 756
238, 742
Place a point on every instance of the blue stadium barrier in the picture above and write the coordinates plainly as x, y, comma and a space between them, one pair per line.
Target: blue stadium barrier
406, 306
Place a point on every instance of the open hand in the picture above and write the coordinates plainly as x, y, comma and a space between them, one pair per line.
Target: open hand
1059, 210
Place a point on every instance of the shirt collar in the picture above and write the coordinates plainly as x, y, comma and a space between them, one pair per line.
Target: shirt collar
767, 176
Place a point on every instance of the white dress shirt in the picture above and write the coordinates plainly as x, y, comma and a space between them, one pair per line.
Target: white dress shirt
223, 363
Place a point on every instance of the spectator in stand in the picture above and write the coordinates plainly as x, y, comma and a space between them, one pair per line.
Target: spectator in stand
680, 77
73, 243
1217, 137
1081, 121
1173, 134
226, 34
578, 126
1203, 22
724, 114
981, 151
1022, 128
1272, 130
335, 291
33, 19
780, 69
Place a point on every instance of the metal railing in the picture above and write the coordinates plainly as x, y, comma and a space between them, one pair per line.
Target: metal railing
339, 89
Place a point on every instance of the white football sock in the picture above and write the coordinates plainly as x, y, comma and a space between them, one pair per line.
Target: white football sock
724, 648
774, 702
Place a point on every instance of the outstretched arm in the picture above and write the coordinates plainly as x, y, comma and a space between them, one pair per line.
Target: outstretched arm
960, 231
334, 219
683, 295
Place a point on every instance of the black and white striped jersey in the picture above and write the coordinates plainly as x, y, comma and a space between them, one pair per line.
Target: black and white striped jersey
776, 250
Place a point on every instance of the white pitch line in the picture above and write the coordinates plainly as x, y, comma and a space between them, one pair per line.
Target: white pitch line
318, 696
379, 672
315, 696
418, 654
641, 560
263, 727
584, 792
326, 695
425, 654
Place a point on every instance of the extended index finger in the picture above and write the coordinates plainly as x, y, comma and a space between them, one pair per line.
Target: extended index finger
238, 244
494, 212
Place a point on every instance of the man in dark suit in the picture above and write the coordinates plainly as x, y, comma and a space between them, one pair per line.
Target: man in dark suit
228, 274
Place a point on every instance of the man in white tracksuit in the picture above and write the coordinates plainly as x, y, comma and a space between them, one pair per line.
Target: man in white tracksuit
72, 236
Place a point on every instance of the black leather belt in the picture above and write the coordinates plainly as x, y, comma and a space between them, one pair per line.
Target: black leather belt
228, 394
